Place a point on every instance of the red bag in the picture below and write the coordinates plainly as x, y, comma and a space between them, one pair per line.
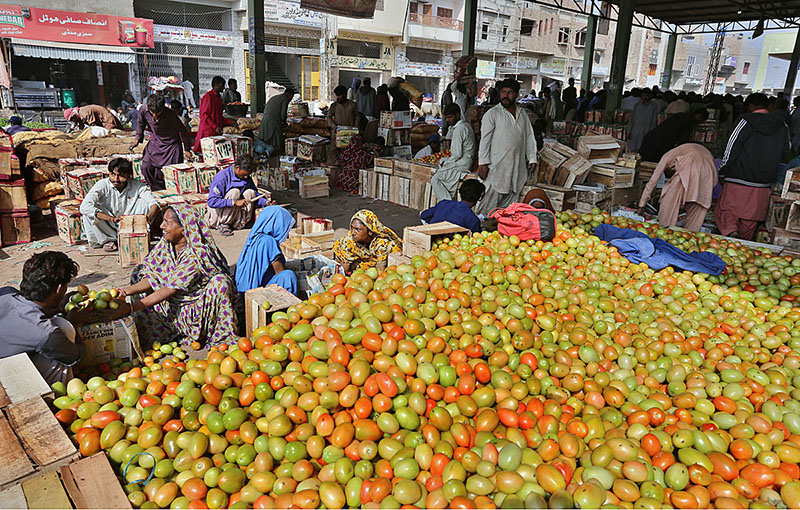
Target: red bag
525, 222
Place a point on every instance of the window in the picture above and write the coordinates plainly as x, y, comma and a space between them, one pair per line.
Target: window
563, 35
414, 7
580, 38
526, 27
484, 31
598, 56
444, 13
423, 55
746, 68
505, 32
540, 27
351, 48
652, 70
551, 26
690, 67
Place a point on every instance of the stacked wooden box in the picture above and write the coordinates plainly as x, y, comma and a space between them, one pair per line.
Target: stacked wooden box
312, 148
395, 128
217, 150
402, 182
181, 178
419, 239
314, 186
592, 196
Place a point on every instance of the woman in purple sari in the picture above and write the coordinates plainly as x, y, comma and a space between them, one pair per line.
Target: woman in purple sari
169, 140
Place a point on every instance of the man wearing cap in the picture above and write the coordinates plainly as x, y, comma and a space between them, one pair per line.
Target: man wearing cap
433, 147
92, 115
507, 150
15, 126
453, 168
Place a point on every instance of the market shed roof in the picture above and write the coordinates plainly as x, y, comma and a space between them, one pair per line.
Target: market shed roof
680, 12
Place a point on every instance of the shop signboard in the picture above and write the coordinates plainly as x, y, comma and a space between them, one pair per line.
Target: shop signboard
422, 69
185, 35
554, 66
291, 13
486, 70
348, 8
361, 63
522, 65
74, 27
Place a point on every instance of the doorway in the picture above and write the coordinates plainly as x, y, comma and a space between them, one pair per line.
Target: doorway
191, 72
310, 77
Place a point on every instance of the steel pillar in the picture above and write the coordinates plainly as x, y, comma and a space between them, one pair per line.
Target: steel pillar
619, 59
791, 76
470, 27
588, 53
669, 61
256, 61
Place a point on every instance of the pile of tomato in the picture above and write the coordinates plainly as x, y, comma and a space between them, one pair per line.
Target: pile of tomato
491, 373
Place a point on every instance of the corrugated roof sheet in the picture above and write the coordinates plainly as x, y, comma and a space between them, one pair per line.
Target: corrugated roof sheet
71, 51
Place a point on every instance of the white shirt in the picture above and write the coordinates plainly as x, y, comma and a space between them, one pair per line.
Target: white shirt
425, 151
188, 91
629, 102
462, 147
507, 146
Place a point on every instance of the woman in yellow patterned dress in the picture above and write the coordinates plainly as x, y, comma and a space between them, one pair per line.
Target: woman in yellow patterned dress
367, 244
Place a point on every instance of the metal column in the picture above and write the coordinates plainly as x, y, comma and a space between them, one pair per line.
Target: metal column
619, 60
470, 27
588, 53
669, 61
791, 76
256, 61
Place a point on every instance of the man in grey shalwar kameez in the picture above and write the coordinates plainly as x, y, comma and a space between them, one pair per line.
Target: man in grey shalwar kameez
444, 182
274, 121
507, 150
643, 119
110, 199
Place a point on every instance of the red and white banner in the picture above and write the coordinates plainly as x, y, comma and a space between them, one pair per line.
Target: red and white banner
74, 27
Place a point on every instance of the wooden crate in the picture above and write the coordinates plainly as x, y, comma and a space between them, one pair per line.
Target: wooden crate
395, 259
787, 239
181, 178
385, 165
16, 170
627, 196
314, 152
39, 432
5, 163
561, 198
198, 201
363, 181
217, 150
778, 212
417, 198
314, 186
404, 168
278, 179
256, 315
602, 149
422, 171
133, 240
793, 218
92, 483
290, 146
15, 228
791, 185
590, 197
81, 180
13, 197
612, 176
69, 222
572, 171
20, 381
298, 247
419, 239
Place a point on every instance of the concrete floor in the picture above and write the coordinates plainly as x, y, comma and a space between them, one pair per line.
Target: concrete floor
102, 270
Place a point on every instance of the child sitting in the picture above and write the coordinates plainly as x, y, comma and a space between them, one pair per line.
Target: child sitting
458, 213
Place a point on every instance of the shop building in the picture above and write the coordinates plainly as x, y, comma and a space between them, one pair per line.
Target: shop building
61, 58
192, 41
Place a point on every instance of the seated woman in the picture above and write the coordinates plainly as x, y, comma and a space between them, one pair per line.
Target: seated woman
538, 199
367, 244
357, 156
190, 292
261, 262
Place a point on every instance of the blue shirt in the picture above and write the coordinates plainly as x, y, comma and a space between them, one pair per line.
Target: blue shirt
223, 182
453, 211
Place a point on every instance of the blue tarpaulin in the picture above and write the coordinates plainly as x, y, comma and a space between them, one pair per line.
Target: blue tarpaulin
657, 253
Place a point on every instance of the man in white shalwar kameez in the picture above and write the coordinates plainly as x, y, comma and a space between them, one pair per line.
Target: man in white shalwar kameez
110, 199
452, 169
507, 150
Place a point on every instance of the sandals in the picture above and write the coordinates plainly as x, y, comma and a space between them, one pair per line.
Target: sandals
110, 247
225, 230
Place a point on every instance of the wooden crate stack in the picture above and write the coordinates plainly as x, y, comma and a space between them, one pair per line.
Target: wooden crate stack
15, 221
395, 128
402, 182
788, 234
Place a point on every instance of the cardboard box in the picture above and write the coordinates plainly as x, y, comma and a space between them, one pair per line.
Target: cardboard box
402, 151
15, 228
612, 176
256, 315
344, 134
314, 186
314, 273
133, 240
419, 239
294, 166
205, 175
241, 144
396, 120
395, 137
404, 168
13, 197
198, 201
311, 148
290, 146
81, 180
69, 222
181, 178
104, 341
217, 150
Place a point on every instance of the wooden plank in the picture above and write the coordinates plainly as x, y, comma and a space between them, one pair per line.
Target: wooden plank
4, 400
14, 464
46, 491
13, 497
91, 483
40, 432
21, 380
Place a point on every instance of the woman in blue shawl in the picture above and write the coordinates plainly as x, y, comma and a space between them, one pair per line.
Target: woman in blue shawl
262, 262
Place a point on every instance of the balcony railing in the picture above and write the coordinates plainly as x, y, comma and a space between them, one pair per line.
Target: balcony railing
436, 21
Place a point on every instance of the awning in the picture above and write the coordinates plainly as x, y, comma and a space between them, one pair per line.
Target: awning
71, 51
